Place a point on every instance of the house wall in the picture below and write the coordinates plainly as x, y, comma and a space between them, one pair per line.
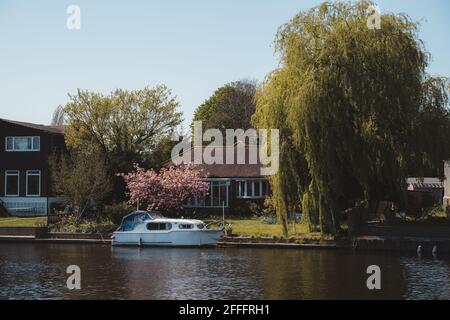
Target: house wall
241, 206
236, 206
24, 161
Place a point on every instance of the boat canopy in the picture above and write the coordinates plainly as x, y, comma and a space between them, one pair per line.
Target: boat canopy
130, 221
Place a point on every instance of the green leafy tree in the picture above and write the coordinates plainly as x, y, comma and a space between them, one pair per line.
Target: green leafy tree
82, 178
349, 102
161, 154
126, 127
432, 129
230, 107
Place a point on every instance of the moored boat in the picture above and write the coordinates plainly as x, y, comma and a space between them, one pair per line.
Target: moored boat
144, 228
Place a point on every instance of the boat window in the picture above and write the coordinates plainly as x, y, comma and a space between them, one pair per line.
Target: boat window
200, 226
132, 220
186, 226
152, 226
158, 226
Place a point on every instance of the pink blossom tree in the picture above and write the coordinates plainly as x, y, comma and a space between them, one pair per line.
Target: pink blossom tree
166, 190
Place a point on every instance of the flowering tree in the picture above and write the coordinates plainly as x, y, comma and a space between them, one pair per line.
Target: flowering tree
166, 190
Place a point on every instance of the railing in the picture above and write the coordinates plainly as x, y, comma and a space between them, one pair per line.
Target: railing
26, 207
3, 210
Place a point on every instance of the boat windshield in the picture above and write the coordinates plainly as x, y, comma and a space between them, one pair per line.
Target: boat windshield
132, 220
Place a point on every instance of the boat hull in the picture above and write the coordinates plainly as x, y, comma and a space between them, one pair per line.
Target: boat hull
176, 238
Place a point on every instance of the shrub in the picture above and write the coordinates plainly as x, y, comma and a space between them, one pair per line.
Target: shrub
70, 224
269, 219
255, 208
115, 212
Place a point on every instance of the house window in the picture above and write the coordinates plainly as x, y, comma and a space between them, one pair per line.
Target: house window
12, 183
33, 183
23, 143
249, 190
252, 188
257, 190
217, 195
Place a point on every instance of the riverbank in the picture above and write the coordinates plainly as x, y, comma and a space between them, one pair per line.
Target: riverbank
31, 239
428, 246
421, 245
257, 233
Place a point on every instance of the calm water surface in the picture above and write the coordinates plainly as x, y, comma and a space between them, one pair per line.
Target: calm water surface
38, 271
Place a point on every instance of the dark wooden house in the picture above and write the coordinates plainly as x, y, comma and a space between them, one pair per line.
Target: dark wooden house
24, 168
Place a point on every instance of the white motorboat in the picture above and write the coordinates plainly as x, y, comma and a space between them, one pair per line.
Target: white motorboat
143, 228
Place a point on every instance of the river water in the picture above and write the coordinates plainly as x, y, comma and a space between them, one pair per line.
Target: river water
38, 271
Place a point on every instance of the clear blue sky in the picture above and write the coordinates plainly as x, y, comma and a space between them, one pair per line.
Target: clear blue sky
191, 46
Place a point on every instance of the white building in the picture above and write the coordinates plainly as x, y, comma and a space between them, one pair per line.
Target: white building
446, 198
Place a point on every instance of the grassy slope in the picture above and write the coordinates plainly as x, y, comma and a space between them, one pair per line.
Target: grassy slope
257, 228
247, 227
23, 222
253, 227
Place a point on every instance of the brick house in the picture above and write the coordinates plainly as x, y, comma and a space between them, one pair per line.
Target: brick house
24, 169
232, 186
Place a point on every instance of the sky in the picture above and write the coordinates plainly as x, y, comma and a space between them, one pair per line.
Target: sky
192, 46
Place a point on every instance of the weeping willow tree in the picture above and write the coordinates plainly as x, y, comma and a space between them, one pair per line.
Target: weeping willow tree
348, 101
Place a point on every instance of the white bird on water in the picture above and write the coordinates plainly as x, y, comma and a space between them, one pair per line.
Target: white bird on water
419, 249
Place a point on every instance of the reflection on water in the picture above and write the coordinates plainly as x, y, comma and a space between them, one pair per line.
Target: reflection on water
428, 278
38, 271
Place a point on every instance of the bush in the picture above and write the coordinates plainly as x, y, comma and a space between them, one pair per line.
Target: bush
98, 220
115, 212
57, 207
254, 208
69, 224
269, 219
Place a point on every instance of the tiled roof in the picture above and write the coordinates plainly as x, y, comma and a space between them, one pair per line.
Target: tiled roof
232, 170
235, 170
41, 127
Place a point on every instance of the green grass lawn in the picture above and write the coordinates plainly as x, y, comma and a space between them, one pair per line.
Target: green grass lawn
23, 222
255, 227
